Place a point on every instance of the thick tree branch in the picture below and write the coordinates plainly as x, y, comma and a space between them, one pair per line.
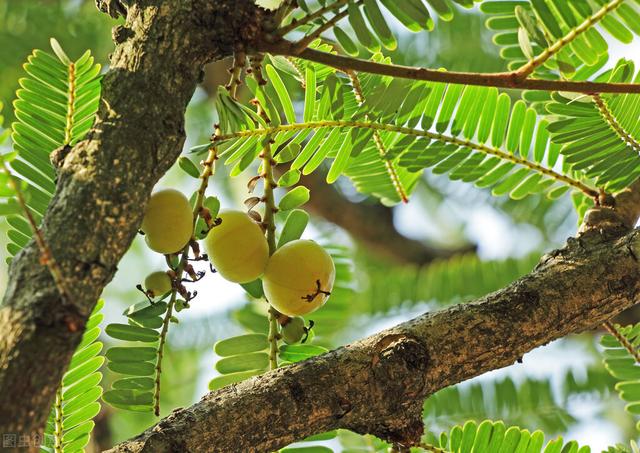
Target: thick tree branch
378, 384
103, 186
499, 79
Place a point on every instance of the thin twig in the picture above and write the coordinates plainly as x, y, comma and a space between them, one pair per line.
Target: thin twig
207, 172
308, 39
270, 208
391, 171
235, 80
631, 349
497, 79
528, 68
311, 17
613, 122
420, 133
46, 256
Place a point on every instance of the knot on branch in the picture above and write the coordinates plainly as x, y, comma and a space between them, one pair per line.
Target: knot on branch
398, 365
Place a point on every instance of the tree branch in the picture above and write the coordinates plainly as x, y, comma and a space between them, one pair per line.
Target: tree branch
102, 188
498, 79
378, 384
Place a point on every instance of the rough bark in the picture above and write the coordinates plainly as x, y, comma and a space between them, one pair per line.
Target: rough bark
102, 189
378, 384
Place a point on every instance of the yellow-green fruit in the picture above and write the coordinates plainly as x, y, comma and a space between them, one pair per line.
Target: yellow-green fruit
157, 283
168, 221
293, 330
299, 277
237, 247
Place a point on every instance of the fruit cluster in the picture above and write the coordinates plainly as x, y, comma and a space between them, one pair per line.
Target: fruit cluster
297, 278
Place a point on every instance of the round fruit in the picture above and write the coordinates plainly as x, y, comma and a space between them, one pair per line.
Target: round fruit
237, 247
293, 331
299, 278
157, 283
168, 221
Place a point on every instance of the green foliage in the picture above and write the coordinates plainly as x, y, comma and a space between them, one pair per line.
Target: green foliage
600, 136
495, 437
368, 19
458, 279
136, 362
70, 422
55, 107
623, 365
545, 23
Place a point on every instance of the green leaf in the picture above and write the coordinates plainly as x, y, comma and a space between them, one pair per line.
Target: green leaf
244, 362
294, 226
231, 378
131, 333
283, 94
289, 178
242, 344
294, 198
188, 167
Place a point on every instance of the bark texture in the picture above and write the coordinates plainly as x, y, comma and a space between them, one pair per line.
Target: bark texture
378, 384
103, 187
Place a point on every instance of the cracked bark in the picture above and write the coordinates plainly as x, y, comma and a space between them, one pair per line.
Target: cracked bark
378, 385
102, 188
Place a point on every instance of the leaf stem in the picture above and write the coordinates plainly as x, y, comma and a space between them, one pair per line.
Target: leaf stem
631, 349
58, 429
311, 17
270, 209
613, 122
420, 133
496, 79
525, 70
391, 171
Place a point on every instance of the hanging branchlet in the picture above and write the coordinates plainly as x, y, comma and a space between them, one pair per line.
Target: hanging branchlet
268, 199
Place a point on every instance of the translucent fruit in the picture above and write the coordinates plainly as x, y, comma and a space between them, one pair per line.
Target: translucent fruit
293, 331
168, 221
299, 278
237, 247
157, 283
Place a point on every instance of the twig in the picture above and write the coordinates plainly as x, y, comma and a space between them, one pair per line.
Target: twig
393, 174
270, 208
46, 256
304, 42
207, 171
420, 133
525, 70
497, 79
613, 122
310, 17
631, 349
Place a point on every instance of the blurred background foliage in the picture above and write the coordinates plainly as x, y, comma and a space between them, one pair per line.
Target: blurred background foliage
481, 243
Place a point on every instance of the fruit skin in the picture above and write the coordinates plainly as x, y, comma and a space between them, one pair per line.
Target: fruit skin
168, 221
237, 247
157, 283
291, 277
293, 331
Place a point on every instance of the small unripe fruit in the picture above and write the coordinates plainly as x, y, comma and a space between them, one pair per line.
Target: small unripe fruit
157, 283
168, 221
237, 247
299, 278
293, 331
